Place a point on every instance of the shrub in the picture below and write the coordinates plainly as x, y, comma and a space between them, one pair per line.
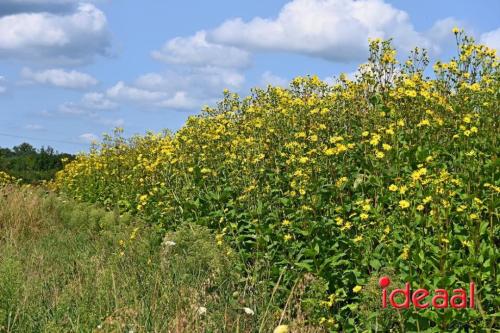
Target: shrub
393, 170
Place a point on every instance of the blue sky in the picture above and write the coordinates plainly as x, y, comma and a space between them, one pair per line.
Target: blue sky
71, 70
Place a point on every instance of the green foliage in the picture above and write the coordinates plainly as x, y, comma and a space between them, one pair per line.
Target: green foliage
392, 171
72, 267
30, 165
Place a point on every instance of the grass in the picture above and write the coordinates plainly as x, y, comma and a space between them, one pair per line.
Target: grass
71, 267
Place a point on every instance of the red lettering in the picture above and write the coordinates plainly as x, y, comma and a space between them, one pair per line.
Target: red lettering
443, 295
419, 295
472, 290
405, 292
462, 296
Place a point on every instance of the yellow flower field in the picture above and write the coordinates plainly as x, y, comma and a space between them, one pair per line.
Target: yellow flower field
395, 172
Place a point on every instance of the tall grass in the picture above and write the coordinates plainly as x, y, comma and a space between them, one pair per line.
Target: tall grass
71, 267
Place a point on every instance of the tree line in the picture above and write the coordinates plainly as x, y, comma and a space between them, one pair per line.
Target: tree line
32, 165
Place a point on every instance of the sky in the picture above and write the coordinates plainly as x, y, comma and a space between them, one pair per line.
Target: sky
72, 70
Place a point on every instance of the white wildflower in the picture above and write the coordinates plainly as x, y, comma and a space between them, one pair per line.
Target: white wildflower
249, 311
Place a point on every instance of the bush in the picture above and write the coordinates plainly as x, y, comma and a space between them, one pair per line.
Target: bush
394, 170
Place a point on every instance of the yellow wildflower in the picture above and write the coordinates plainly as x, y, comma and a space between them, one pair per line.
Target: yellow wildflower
404, 204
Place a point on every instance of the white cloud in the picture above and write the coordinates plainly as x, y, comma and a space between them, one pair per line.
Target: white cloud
197, 51
68, 38
122, 91
440, 36
60, 78
180, 101
110, 122
34, 127
38, 2
88, 137
491, 39
198, 81
3, 89
336, 30
98, 101
71, 109
182, 89
269, 78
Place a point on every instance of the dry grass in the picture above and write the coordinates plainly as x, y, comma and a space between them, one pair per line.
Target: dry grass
68, 267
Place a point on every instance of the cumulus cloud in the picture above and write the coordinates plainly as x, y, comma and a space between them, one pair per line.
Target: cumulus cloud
10, 7
88, 138
269, 78
98, 101
69, 38
85, 111
71, 108
60, 78
179, 101
336, 30
491, 39
122, 91
151, 97
185, 89
119, 122
34, 127
2, 87
197, 51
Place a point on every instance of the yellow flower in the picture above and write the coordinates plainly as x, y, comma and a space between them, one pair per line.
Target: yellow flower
404, 204
466, 243
424, 122
455, 30
375, 139
285, 222
287, 237
379, 154
403, 189
420, 208
393, 188
406, 253
281, 329
363, 216
330, 151
335, 139
357, 289
358, 239
386, 147
341, 181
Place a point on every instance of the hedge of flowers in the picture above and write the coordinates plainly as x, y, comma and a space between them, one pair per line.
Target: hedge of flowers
394, 172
